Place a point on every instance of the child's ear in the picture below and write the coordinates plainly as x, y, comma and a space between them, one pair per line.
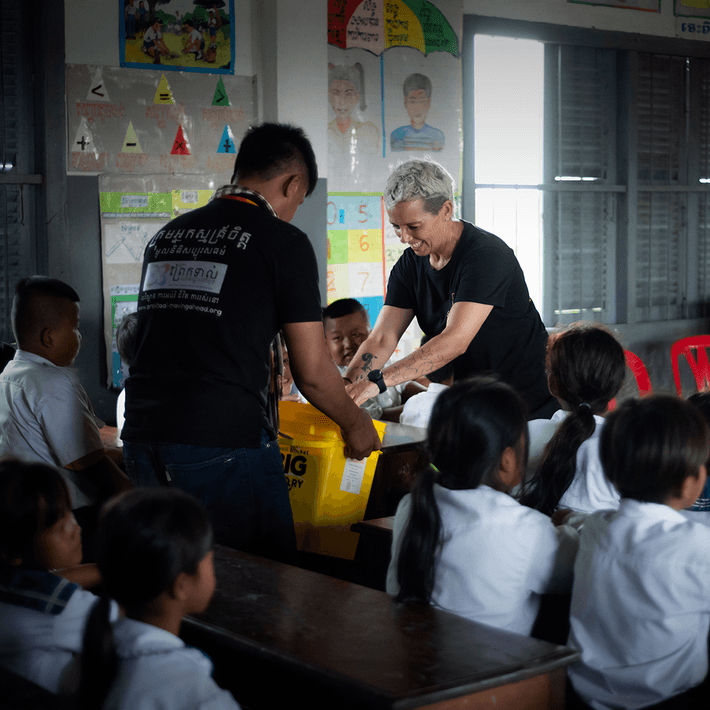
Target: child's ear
181, 588
291, 184
509, 471
552, 385
45, 337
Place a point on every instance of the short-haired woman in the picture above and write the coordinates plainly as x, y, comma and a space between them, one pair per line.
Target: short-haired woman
467, 291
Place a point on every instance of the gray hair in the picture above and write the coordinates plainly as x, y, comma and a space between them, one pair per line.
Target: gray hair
418, 179
417, 82
354, 73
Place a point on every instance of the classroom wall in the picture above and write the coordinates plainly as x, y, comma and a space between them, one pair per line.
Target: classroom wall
283, 43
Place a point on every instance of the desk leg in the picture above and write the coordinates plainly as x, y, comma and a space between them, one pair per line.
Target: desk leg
542, 692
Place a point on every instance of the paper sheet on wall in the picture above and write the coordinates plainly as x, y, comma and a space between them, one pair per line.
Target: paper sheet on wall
122, 120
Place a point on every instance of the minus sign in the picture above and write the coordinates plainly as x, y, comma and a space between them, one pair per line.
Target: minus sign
130, 144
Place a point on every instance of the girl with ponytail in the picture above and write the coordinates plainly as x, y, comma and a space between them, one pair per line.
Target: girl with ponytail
154, 550
460, 541
586, 368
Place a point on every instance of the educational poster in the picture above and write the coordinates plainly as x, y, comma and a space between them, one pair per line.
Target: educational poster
179, 35
394, 92
133, 121
133, 209
648, 5
692, 19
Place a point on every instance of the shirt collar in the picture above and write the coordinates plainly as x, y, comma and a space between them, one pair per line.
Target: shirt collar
657, 511
32, 357
35, 589
239, 191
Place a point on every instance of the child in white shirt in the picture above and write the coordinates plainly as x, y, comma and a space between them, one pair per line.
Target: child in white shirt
586, 368
42, 612
460, 541
154, 550
640, 609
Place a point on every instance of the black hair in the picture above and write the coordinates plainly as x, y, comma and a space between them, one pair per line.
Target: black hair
33, 497
146, 539
702, 401
270, 149
472, 424
27, 292
344, 307
649, 446
126, 337
586, 367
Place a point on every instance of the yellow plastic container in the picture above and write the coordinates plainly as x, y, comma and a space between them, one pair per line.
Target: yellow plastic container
328, 492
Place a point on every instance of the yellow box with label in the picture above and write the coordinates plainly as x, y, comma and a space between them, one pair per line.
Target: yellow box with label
328, 492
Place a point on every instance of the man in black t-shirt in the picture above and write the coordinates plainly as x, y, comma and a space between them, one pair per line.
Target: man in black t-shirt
218, 284
467, 291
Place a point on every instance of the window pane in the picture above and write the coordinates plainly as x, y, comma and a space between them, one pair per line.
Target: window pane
508, 101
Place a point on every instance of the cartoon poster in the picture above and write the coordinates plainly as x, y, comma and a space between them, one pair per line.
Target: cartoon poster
178, 35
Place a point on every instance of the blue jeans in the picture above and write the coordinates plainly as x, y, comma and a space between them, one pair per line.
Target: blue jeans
244, 490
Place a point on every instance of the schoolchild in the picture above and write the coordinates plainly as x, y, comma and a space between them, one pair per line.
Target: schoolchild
154, 550
42, 613
460, 541
125, 344
586, 368
700, 510
640, 608
45, 414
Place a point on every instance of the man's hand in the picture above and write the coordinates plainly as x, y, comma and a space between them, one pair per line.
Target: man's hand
362, 390
362, 438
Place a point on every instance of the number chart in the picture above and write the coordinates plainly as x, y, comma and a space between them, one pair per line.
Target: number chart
356, 253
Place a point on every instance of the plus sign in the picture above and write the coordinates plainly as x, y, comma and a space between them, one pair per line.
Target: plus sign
227, 145
83, 142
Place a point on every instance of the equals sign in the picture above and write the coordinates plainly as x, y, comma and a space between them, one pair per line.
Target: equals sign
165, 97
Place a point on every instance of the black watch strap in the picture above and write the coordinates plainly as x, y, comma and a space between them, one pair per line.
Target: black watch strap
378, 378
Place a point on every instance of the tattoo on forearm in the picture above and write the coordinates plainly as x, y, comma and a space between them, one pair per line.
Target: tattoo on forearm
367, 359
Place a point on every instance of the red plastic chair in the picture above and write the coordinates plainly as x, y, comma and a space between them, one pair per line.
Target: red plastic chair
643, 381
698, 364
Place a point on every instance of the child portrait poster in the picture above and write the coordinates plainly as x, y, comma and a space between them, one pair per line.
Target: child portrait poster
177, 35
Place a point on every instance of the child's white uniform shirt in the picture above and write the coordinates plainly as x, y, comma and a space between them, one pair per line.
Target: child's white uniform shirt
496, 557
157, 670
640, 606
40, 646
590, 490
417, 409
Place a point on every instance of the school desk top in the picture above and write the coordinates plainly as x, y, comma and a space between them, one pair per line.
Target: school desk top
277, 632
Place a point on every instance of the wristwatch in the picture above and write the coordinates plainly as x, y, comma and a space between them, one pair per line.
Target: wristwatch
378, 378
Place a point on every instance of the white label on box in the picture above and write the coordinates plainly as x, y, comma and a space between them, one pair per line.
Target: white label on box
353, 473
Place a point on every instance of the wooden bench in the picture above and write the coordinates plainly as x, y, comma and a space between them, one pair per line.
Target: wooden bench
281, 636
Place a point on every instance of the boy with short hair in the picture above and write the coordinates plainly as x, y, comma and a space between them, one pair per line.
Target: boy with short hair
640, 611
45, 414
347, 325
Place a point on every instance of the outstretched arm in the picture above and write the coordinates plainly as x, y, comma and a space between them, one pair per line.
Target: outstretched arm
464, 321
320, 383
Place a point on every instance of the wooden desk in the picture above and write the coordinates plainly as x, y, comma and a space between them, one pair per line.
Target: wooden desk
282, 636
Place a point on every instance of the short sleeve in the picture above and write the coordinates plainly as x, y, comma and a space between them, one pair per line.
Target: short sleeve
299, 289
399, 285
68, 422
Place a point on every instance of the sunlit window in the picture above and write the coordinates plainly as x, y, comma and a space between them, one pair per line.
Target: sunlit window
508, 117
